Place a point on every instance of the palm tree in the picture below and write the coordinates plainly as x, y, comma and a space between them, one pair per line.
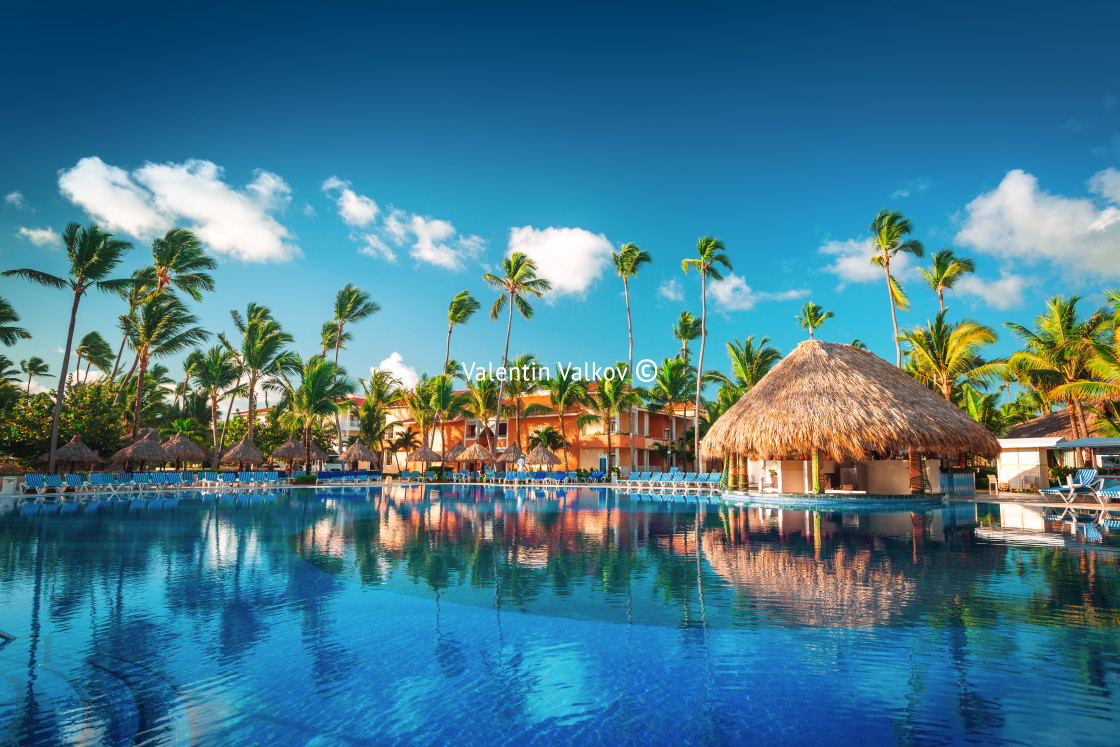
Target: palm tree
686, 330
519, 280
983, 408
459, 311
858, 344
190, 363
548, 437
180, 261
329, 339
92, 257
380, 391
565, 391
9, 374
446, 404
351, 305
946, 355
890, 230
525, 383
947, 269
161, 326
812, 317
672, 387
712, 257
262, 351
96, 351
610, 397
32, 367
627, 262
1103, 373
407, 441
141, 285
749, 363
216, 373
1059, 348
9, 333
318, 395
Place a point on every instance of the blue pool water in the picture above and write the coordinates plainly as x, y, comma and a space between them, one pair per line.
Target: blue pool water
479, 616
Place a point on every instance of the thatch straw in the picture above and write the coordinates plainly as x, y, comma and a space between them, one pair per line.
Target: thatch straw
8, 467
511, 453
423, 454
76, 452
293, 449
542, 455
454, 453
358, 452
180, 448
146, 433
843, 402
146, 449
243, 451
486, 438
476, 452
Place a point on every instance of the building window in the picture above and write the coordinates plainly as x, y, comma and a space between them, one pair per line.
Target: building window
502, 430
667, 432
472, 430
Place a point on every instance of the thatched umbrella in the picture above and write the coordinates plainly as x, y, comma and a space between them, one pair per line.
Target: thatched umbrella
145, 449
476, 452
835, 399
423, 454
542, 455
242, 452
511, 453
454, 453
180, 448
8, 467
358, 452
76, 452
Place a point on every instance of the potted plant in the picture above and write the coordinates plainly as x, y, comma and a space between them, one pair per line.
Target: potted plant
773, 477
304, 480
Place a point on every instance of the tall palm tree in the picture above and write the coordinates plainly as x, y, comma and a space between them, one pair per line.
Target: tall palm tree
519, 280
670, 388
525, 383
179, 261
133, 294
889, 231
9, 332
983, 408
1060, 347
162, 326
548, 437
216, 374
749, 363
318, 395
462, 307
190, 363
947, 355
711, 259
32, 367
627, 262
610, 397
947, 269
1103, 373
407, 441
262, 351
351, 305
380, 391
565, 391
446, 404
96, 351
329, 339
92, 256
686, 330
812, 317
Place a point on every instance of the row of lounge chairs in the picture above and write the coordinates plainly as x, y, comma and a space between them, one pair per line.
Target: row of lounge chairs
128, 482
346, 476
509, 477
675, 480
1085, 482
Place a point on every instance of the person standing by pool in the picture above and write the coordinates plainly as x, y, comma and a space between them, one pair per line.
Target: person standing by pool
521, 463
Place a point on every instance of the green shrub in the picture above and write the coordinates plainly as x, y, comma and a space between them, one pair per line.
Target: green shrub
304, 479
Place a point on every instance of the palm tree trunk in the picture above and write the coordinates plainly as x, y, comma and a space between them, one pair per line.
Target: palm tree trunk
120, 353
89, 364
940, 299
214, 429
139, 394
700, 366
78, 368
894, 316
673, 422
29, 378
337, 419
564, 435
502, 383
447, 354
62, 380
252, 404
610, 451
229, 412
630, 335
124, 381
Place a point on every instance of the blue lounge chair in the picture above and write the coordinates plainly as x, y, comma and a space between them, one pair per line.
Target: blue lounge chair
102, 481
34, 484
55, 482
1085, 482
77, 483
228, 478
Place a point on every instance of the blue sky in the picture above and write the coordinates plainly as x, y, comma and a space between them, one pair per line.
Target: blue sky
406, 149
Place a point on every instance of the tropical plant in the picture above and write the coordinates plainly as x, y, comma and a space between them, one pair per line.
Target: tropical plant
566, 390
9, 332
329, 338
1102, 379
686, 329
407, 441
261, 351
92, 255
216, 374
946, 355
749, 363
462, 307
627, 262
96, 351
518, 281
524, 382
858, 344
548, 437
611, 396
8, 372
889, 231
983, 408
672, 387
447, 404
179, 261
947, 269
812, 317
32, 367
351, 305
317, 395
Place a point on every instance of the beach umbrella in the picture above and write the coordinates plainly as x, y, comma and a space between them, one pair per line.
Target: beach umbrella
243, 452
423, 454
511, 453
454, 453
75, 452
8, 467
294, 451
542, 456
181, 449
358, 452
476, 452
145, 449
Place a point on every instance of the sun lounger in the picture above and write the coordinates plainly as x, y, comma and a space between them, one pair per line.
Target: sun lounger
76, 482
102, 481
1085, 482
34, 484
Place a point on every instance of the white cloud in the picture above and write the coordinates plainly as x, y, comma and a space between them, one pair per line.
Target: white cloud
733, 294
307, 210
17, 200
374, 246
852, 262
914, 186
1018, 221
237, 223
41, 236
569, 258
1004, 293
395, 365
671, 290
354, 209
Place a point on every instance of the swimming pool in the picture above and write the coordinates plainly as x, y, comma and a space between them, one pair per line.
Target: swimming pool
477, 615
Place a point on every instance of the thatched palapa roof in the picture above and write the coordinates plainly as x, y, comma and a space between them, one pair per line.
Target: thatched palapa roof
145, 449
243, 451
180, 448
542, 455
76, 452
511, 453
358, 452
423, 454
476, 452
8, 467
844, 402
293, 449
454, 453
